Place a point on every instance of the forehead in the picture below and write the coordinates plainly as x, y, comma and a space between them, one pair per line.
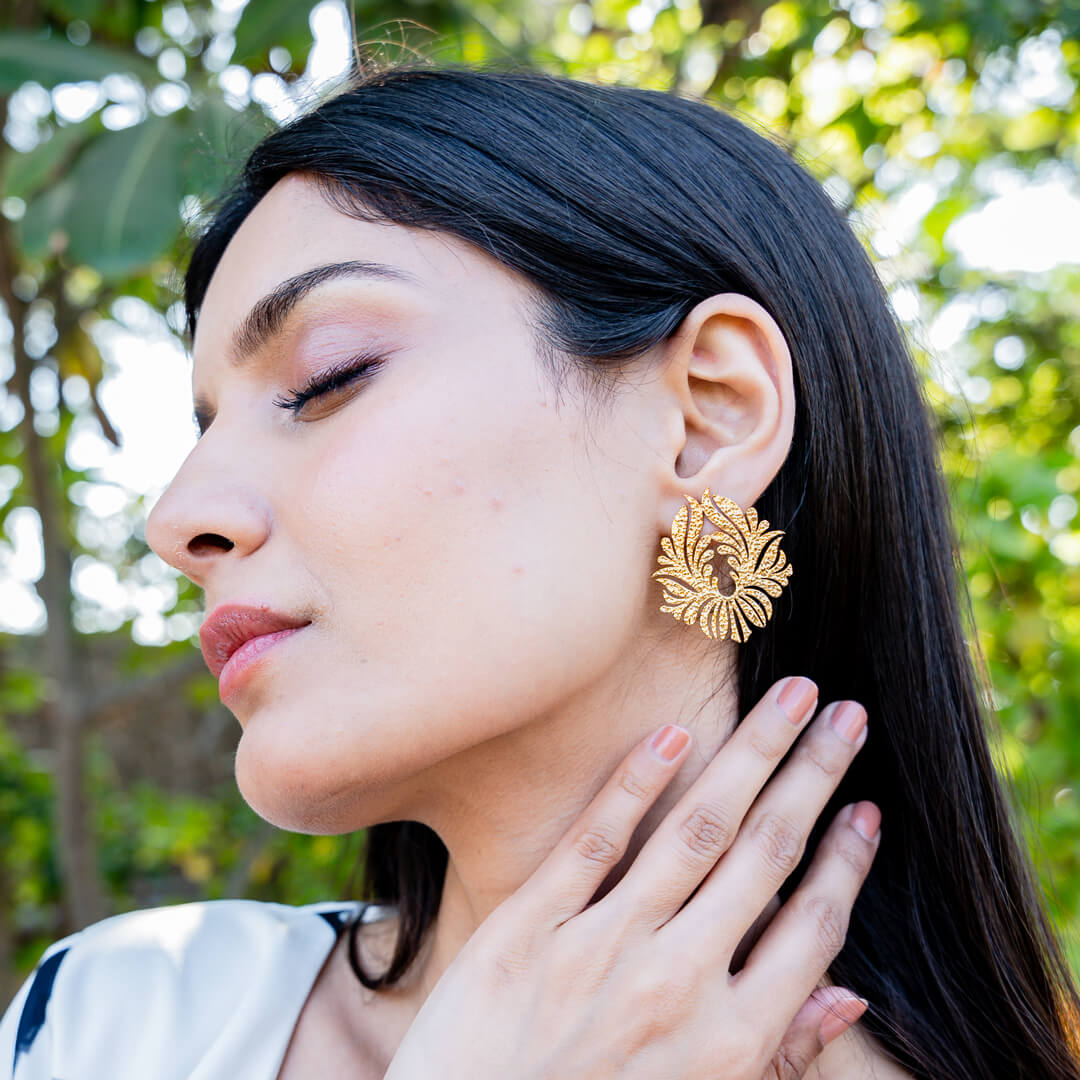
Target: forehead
294, 228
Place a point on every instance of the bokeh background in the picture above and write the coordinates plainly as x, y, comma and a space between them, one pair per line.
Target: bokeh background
947, 130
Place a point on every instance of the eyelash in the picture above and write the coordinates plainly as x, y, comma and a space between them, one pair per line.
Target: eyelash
335, 378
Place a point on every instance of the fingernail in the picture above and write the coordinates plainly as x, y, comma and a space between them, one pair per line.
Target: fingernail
796, 697
866, 820
848, 721
841, 1015
668, 742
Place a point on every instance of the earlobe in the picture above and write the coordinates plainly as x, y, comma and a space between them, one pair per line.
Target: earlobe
729, 367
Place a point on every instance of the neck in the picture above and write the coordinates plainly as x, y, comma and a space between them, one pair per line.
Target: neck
501, 807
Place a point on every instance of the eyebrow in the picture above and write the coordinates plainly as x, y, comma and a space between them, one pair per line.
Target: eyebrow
267, 316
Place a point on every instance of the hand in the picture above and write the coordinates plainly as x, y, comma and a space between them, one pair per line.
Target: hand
637, 985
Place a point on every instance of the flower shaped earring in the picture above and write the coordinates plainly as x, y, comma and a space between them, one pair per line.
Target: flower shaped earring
759, 568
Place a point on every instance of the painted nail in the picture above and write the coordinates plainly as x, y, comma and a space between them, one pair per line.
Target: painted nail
848, 721
668, 742
866, 820
842, 1014
796, 698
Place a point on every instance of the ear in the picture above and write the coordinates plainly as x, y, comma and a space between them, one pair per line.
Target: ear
729, 380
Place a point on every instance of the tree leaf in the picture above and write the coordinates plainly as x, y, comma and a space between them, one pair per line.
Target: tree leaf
42, 222
25, 174
129, 183
272, 22
27, 56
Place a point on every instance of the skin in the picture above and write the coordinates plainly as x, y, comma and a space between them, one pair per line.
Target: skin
474, 550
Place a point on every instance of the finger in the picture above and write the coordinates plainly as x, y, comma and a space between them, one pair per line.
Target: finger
572, 872
703, 823
750, 937
808, 932
826, 1014
773, 838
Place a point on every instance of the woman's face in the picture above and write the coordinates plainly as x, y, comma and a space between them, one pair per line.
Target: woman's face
471, 553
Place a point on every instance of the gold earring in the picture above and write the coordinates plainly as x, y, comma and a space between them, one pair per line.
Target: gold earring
758, 567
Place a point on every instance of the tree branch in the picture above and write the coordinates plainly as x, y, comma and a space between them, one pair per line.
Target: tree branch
77, 849
147, 688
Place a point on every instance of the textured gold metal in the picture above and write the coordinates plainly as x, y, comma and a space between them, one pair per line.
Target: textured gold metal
759, 568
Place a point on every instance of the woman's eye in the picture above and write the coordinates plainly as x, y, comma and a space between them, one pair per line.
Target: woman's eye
336, 378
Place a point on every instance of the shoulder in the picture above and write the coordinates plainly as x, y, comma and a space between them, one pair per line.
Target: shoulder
167, 979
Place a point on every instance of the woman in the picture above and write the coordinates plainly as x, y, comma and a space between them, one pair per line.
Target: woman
465, 344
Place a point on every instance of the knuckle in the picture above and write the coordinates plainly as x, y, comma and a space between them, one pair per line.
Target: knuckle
597, 844
634, 785
779, 842
857, 856
769, 749
830, 922
707, 831
660, 1004
591, 956
609, 925
788, 1065
826, 756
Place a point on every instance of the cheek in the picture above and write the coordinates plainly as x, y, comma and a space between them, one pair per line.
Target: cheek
469, 552
476, 571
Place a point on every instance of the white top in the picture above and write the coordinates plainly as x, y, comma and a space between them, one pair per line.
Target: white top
201, 991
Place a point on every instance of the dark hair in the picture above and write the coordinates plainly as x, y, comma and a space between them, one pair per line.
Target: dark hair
625, 208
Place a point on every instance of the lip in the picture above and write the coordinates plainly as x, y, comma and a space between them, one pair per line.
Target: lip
234, 636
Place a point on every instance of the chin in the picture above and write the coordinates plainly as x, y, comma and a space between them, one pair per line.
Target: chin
325, 771
306, 788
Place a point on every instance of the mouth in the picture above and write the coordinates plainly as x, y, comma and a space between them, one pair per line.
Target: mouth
233, 634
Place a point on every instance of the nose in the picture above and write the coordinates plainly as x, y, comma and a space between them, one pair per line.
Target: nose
208, 513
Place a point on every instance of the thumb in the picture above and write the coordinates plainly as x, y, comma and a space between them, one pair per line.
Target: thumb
826, 1014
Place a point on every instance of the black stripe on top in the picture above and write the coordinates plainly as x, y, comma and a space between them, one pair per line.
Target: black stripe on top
33, 1013
336, 919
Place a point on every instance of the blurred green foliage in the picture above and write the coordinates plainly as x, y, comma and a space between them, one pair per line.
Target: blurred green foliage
958, 99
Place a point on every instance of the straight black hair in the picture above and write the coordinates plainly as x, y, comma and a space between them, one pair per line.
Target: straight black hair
625, 208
